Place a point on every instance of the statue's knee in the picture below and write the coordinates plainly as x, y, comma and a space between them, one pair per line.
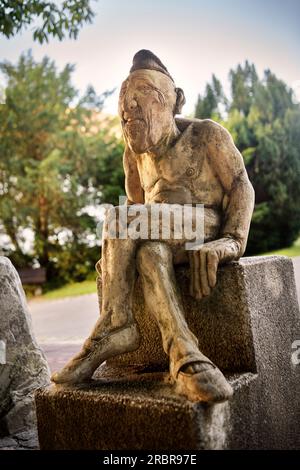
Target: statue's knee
150, 254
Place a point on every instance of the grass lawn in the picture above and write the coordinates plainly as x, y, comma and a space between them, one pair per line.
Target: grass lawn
291, 251
72, 289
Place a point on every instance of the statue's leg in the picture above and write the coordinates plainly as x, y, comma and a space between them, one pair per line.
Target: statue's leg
195, 375
115, 332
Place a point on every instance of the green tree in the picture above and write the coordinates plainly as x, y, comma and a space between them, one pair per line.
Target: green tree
208, 105
243, 81
108, 174
49, 159
56, 20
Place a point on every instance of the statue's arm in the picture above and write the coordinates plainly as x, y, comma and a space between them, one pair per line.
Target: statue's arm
133, 188
228, 165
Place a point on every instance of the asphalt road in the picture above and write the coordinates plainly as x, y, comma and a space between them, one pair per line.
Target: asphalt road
62, 325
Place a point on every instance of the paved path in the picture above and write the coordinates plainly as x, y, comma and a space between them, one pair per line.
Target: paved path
62, 325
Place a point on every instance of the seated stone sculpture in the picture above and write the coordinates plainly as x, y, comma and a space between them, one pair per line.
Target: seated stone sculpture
168, 161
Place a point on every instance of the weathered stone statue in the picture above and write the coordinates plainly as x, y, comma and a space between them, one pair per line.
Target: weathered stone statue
168, 161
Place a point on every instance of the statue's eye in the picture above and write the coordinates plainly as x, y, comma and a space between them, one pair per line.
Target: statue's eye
146, 89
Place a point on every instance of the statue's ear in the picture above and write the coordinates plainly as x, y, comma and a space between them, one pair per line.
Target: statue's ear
180, 100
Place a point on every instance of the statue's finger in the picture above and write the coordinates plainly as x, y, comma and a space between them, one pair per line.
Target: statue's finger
191, 260
197, 284
212, 267
203, 273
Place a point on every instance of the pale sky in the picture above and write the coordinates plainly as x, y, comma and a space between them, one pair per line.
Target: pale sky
193, 38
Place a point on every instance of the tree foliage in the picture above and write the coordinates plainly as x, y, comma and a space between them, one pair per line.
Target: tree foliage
265, 123
56, 19
214, 97
53, 151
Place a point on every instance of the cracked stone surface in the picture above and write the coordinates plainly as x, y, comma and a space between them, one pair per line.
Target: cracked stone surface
23, 367
26, 440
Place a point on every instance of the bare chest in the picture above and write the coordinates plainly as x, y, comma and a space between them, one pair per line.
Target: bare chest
185, 168
174, 166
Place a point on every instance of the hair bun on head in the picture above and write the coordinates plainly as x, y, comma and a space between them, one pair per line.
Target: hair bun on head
145, 59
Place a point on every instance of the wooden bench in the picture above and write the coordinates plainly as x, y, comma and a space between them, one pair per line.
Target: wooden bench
32, 276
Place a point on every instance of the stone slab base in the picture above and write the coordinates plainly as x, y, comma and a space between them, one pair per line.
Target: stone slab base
248, 327
130, 410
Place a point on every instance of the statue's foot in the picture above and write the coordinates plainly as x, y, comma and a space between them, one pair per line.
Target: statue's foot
203, 382
95, 352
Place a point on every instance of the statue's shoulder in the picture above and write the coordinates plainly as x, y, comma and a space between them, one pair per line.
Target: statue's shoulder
202, 130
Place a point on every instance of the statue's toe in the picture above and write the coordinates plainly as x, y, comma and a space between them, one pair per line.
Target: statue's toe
55, 377
208, 385
76, 371
82, 367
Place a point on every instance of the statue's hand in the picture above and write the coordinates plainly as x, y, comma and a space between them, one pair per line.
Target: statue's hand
204, 264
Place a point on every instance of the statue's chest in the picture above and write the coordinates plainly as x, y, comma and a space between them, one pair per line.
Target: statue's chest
178, 166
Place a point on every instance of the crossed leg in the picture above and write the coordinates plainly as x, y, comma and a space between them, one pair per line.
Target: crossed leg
116, 331
194, 374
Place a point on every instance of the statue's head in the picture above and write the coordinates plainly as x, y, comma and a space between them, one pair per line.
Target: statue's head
148, 103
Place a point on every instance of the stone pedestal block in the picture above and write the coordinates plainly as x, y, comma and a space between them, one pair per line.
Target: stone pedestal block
247, 327
128, 409
221, 321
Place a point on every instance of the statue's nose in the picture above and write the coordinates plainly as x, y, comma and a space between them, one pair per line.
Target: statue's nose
130, 103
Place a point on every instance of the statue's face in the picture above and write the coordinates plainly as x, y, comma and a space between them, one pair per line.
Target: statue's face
146, 107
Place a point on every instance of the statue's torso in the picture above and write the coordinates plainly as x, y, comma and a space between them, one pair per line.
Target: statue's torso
182, 176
